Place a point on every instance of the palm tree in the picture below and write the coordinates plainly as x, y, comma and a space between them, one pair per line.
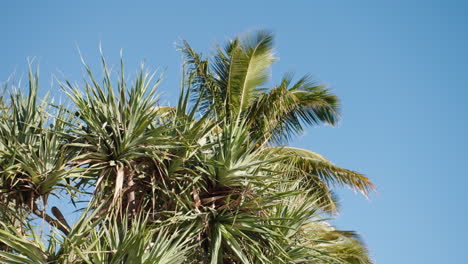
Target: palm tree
231, 84
210, 180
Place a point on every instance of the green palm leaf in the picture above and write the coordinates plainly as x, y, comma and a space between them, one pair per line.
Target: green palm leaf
285, 109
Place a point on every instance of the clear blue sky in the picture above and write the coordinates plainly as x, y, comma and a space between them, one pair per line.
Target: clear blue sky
400, 68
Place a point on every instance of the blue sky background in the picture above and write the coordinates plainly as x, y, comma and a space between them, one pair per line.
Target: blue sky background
400, 68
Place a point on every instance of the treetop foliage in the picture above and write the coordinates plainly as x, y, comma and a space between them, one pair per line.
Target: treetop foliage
210, 180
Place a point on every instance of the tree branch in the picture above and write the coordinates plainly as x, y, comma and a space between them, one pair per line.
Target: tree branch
131, 194
53, 222
58, 214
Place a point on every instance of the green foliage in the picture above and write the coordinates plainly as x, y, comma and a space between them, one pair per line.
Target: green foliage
206, 181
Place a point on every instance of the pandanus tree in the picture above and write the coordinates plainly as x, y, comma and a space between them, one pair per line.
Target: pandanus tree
210, 180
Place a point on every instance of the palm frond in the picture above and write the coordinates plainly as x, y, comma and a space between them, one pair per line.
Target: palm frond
315, 164
337, 246
286, 109
243, 68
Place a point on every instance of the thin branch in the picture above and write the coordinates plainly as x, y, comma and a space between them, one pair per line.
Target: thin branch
53, 222
58, 214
